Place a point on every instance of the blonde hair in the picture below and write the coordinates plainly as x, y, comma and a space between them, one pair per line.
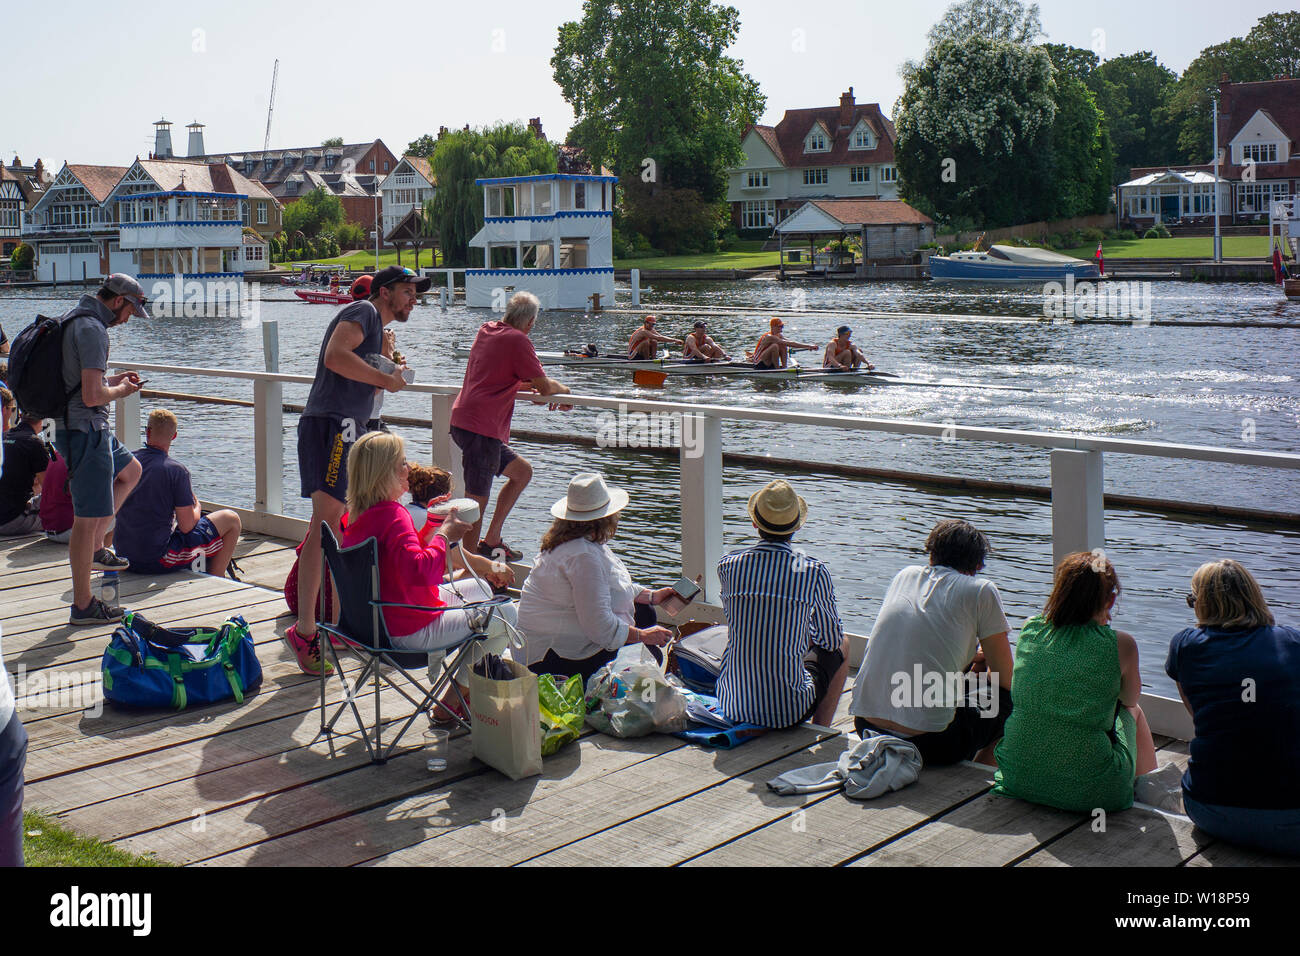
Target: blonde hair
1228, 596
160, 417
372, 471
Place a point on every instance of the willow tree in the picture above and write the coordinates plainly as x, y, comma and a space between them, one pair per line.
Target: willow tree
459, 158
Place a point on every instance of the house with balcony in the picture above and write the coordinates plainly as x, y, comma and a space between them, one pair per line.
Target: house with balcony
831, 152
1259, 129
551, 235
405, 191
72, 227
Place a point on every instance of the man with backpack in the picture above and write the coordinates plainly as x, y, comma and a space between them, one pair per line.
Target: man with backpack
72, 353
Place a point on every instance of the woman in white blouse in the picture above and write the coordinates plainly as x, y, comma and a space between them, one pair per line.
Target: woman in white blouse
579, 605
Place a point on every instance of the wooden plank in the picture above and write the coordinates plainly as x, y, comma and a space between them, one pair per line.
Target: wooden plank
834, 829
1133, 837
49, 610
1219, 853
989, 831
35, 552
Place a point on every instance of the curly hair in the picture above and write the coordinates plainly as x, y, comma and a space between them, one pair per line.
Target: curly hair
562, 530
428, 483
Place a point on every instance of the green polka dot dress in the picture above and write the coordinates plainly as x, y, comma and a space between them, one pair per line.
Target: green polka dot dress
1064, 744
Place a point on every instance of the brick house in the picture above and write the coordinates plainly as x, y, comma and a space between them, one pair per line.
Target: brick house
20, 187
829, 152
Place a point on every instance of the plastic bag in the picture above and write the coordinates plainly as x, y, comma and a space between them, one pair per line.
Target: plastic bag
631, 697
562, 710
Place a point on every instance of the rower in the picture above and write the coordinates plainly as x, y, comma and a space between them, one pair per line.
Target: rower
702, 348
843, 355
773, 348
644, 342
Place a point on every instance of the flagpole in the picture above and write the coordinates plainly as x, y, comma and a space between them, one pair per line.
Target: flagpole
1218, 236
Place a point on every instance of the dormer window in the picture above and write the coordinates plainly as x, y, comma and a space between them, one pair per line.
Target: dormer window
862, 138
269, 164
1259, 152
310, 161
816, 142
329, 161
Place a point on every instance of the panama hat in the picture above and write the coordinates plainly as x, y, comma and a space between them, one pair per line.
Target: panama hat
589, 498
776, 509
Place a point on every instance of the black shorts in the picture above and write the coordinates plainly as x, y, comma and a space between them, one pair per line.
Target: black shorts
822, 666
972, 729
323, 445
482, 459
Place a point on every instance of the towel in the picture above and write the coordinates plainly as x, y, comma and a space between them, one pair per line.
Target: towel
870, 768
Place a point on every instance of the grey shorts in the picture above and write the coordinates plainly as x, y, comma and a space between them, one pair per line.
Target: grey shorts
94, 459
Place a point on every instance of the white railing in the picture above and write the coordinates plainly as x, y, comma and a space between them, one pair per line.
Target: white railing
1078, 509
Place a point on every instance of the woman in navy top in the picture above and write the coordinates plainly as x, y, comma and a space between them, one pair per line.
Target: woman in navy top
1239, 676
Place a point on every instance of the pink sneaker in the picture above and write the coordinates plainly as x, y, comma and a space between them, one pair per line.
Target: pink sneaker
307, 650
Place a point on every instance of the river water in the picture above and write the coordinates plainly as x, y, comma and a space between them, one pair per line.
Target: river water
1234, 387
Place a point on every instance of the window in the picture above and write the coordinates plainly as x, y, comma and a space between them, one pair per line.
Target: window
859, 174
889, 174
249, 166
816, 142
385, 166
815, 177
757, 180
758, 214
261, 214
1259, 152
254, 253
404, 179
330, 160
573, 253
861, 138
269, 164
1142, 201
579, 195
372, 165
1258, 197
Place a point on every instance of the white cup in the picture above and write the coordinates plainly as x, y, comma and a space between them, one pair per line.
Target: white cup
466, 509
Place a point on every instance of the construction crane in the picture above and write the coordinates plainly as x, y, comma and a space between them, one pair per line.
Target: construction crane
275, 74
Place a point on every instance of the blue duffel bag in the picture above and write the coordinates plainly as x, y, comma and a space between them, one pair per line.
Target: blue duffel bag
150, 666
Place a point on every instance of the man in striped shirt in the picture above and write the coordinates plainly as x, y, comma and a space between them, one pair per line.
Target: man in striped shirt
787, 657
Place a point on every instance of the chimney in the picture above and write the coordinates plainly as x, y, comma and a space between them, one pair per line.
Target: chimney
535, 127
442, 131
846, 107
196, 140
466, 129
38, 169
16, 163
162, 139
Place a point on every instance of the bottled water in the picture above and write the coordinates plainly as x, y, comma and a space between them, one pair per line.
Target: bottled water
108, 587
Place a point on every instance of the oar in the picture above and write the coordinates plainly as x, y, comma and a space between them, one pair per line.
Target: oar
649, 378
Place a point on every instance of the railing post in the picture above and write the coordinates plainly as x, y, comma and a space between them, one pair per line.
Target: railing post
444, 450
701, 458
636, 288
268, 428
126, 420
1078, 502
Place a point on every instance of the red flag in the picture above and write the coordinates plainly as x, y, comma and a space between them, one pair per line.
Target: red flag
1101, 263
1278, 272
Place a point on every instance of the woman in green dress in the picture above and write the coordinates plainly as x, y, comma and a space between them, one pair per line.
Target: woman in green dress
1076, 737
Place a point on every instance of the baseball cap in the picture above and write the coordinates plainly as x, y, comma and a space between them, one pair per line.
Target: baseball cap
700, 324
776, 324
395, 274
844, 330
119, 283
360, 288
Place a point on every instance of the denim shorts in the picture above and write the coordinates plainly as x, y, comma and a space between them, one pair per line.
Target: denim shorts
94, 459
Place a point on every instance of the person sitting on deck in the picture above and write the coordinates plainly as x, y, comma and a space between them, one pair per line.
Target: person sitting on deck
701, 347
644, 342
579, 605
843, 354
411, 572
938, 664
1238, 674
1077, 737
787, 657
56, 504
26, 458
773, 348
160, 528
428, 486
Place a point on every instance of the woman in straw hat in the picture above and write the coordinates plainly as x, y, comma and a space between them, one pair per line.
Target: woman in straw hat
579, 605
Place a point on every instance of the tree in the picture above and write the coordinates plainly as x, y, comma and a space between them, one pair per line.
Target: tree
21, 258
970, 118
318, 211
333, 141
657, 100
507, 149
422, 147
1006, 20
1077, 162
1132, 91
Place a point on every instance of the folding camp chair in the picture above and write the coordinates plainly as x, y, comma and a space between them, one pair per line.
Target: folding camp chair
361, 625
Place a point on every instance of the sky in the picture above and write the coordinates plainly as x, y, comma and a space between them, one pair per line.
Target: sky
411, 68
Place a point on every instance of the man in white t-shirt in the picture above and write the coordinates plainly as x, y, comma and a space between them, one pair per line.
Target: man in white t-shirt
938, 664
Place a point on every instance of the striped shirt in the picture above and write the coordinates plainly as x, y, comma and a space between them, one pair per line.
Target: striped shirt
778, 604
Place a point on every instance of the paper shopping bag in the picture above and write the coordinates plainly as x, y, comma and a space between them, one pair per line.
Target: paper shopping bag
507, 728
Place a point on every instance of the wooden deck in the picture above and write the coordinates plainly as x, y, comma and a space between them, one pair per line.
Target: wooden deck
236, 785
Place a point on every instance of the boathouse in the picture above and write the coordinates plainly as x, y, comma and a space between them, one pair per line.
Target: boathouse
882, 229
72, 229
551, 235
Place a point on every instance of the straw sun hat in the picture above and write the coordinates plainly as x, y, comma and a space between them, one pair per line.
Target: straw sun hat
776, 509
589, 498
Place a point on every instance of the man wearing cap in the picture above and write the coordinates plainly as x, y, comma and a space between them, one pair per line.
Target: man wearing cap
773, 348
101, 472
335, 416
701, 347
644, 342
787, 657
843, 354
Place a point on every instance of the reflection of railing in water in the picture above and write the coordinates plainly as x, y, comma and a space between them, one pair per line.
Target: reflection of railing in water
1077, 497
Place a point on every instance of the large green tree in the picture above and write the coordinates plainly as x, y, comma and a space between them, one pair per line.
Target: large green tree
507, 149
422, 147
1076, 156
658, 101
1007, 20
1132, 90
318, 211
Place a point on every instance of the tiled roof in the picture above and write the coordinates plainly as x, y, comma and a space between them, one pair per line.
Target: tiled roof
98, 180
201, 177
295, 160
1239, 102
421, 166
768, 135
872, 212
787, 137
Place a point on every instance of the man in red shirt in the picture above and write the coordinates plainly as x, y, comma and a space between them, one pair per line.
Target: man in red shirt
502, 362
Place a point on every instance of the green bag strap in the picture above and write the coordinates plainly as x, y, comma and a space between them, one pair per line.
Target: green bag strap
232, 675
175, 667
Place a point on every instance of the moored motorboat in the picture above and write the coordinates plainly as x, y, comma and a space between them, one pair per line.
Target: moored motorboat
1011, 264
324, 298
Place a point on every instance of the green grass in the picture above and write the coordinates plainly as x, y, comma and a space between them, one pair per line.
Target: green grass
745, 255
1197, 247
46, 843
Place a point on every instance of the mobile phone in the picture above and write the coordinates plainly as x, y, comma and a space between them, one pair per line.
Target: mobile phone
684, 592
